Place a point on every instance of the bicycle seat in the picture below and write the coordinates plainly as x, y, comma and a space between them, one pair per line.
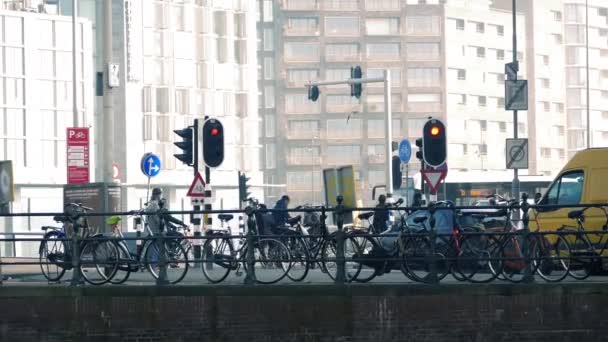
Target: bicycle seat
365, 216
225, 217
60, 218
574, 214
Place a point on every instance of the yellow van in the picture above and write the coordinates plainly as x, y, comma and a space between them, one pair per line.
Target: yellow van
584, 180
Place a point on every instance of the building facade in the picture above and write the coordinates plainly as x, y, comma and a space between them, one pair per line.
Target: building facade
36, 108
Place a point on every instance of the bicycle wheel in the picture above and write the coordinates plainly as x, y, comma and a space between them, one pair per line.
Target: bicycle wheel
479, 258
368, 270
216, 264
126, 265
52, 253
416, 259
272, 260
98, 260
552, 260
175, 258
329, 255
582, 256
300, 257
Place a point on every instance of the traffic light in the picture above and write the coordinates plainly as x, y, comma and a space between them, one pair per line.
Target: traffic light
419, 152
356, 88
313, 93
397, 176
213, 143
244, 193
434, 145
188, 145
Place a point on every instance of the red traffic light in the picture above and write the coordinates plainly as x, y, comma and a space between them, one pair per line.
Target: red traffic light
435, 130
215, 132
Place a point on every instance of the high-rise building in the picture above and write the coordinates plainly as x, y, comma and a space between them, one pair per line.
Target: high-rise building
36, 108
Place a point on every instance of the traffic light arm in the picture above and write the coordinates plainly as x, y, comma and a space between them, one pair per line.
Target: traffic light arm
348, 81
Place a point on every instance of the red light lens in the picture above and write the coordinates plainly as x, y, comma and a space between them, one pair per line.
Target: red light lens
215, 131
435, 131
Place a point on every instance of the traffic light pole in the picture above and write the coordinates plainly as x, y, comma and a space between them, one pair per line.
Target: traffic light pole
195, 219
386, 80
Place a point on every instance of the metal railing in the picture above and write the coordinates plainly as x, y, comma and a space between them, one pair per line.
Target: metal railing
474, 244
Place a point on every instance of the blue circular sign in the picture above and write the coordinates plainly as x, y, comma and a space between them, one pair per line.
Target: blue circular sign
405, 151
150, 165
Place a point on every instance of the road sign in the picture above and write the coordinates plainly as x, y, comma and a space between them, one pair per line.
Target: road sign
78, 155
433, 178
197, 188
517, 153
516, 95
511, 70
150, 165
405, 151
6, 182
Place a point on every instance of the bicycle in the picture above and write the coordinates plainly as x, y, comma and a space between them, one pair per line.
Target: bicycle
270, 253
98, 256
147, 256
584, 258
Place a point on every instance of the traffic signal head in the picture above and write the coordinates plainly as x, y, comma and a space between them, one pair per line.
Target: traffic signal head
419, 152
434, 145
244, 193
313, 93
187, 145
213, 143
397, 176
356, 89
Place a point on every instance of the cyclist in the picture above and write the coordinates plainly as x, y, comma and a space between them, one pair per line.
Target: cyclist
281, 217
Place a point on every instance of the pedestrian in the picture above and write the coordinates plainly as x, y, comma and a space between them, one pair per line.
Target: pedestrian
156, 212
281, 216
381, 216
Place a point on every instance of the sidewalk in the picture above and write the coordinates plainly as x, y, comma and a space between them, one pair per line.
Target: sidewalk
19, 270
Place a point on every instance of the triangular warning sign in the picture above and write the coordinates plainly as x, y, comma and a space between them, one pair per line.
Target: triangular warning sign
197, 188
433, 178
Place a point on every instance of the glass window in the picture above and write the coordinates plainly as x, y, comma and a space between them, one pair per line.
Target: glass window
567, 190
301, 76
423, 77
422, 51
268, 68
302, 51
267, 11
269, 97
269, 126
268, 39
423, 25
379, 72
162, 100
381, 26
341, 51
375, 129
14, 25
302, 25
271, 158
383, 51
342, 26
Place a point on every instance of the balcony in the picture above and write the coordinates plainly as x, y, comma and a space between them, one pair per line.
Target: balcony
352, 57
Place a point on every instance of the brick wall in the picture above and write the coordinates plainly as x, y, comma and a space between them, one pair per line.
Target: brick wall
571, 312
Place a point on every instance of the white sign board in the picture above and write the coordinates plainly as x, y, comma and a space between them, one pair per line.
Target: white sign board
517, 153
113, 75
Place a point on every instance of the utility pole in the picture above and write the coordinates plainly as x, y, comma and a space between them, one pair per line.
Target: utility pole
75, 50
515, 185
587, 71
108, 98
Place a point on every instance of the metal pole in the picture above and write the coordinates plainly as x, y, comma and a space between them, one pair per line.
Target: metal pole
108, 107
74, 71
515, 185
587, 71
407, 185
389, 131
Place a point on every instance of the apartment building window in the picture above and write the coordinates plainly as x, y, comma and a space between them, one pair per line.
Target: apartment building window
341, 51
546, 106
343, 153
545, 83
271, 156
339, 129
376, 153
383, 51
545, 152
423, 102
269, 126
557, 38
375, 128
422, 51
481, 52
310, 127
268, 39
602, 12
500, 55
267, 11
460, 24
269, 101
338, 74
482, 101
557, 15
562, 153
460, 99
500, 103
305, 26
482, 149
500, 30
423, 25
424, 77
379, 72
382, 5
268, 68
545, 59
342, 26
575, 34
381, 26
559, 107
502, 127
302, 51
479, 27
461, 74
558, 131
302, 76
299, 104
